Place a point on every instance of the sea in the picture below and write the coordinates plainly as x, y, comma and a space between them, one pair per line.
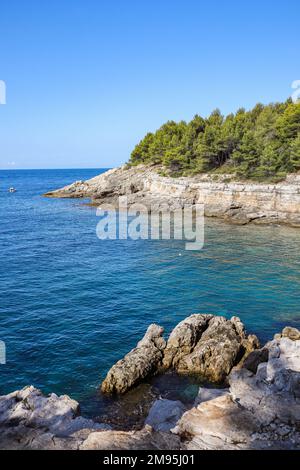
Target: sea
71, 305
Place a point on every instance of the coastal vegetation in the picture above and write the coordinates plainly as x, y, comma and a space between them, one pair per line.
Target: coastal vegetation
262, 143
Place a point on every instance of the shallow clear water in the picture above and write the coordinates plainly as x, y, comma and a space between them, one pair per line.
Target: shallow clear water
71, 305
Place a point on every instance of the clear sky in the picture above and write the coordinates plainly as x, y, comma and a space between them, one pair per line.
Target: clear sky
86, 79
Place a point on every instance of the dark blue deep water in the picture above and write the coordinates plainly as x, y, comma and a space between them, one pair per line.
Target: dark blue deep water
71, 305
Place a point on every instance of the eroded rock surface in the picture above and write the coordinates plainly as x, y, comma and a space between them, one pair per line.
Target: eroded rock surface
164, 414
261, 410
236, 201
205, 345
143, 360
218, 349
28, 419
184, 338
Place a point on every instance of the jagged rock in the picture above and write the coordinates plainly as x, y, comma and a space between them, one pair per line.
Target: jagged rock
184, 338
261, 410
143, 360
164, 414
202, 344
28, 419
219, 348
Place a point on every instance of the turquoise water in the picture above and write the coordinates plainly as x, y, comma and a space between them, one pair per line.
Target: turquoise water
71, 305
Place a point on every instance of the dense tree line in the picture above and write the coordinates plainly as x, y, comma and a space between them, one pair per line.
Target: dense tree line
261, 143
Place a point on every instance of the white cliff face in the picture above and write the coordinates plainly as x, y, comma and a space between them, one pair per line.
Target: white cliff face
239, 202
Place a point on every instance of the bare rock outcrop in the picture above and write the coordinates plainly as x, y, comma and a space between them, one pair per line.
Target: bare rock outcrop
145, 439
164, 414
261, 410
29, 419
239, 202
219, 348
184, 338
142, 361
202, 344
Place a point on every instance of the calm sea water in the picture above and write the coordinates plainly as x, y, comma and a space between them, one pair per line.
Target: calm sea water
71, 305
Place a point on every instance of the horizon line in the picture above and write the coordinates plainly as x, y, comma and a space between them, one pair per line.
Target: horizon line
68, 168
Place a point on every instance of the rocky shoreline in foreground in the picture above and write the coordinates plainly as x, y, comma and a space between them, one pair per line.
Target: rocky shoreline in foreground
240, 202
253, 401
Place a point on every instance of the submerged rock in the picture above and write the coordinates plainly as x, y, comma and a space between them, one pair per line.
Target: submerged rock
143, 360
30, 420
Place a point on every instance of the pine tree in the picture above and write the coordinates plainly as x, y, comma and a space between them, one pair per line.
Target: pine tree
295, 153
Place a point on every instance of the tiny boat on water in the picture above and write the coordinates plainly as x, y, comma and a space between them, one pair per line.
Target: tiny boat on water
12, 190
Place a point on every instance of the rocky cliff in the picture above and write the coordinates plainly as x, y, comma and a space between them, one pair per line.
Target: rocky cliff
239, 202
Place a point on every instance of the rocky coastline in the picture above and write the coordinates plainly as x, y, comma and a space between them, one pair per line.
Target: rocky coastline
240, 202
252, 401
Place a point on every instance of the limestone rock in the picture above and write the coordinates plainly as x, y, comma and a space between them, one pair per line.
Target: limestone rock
164, 414
261, 411
291, 333
28, 419
217, 424
145, 439
205, 345
184, 338
143, 360
236, 201
207, 394
216, 352
255, 358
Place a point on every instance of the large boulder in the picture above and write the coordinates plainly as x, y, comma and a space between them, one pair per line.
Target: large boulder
220, 347
140, 362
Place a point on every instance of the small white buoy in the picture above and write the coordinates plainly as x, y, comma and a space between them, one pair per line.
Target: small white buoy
12, 190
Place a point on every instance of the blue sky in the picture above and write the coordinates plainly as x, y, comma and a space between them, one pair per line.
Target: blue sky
86, 79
